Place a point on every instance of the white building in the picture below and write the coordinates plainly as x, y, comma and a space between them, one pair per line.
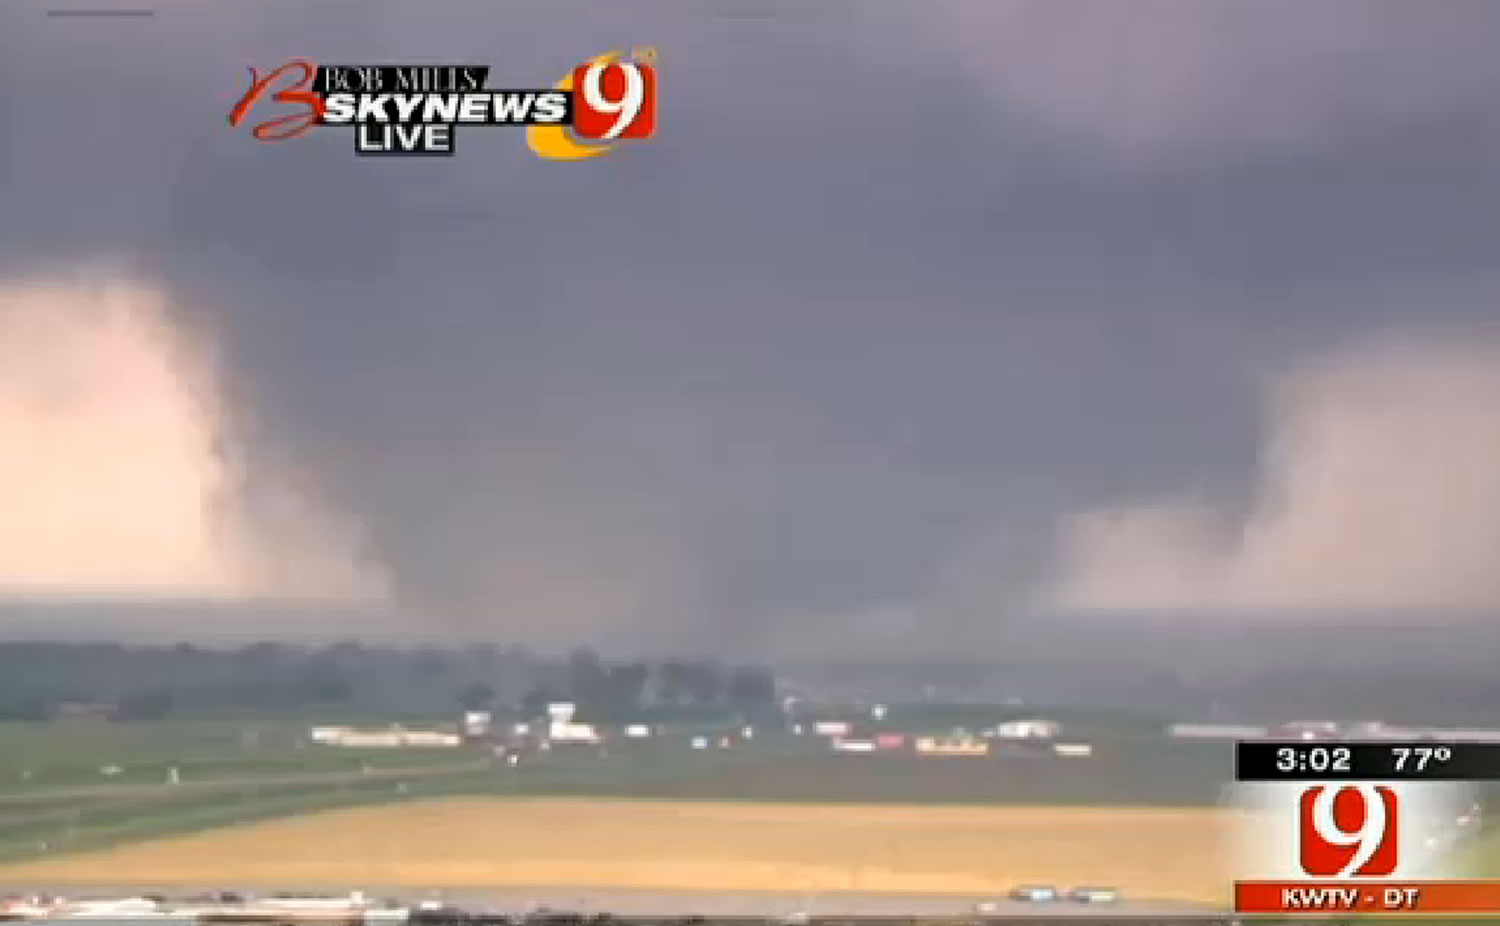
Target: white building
430, 738
477, 723
569, 732
1028, 729
1216, 731
327, 734
393, 738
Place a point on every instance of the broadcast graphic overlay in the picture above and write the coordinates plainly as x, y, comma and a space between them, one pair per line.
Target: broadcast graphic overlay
1361, 827
415, 110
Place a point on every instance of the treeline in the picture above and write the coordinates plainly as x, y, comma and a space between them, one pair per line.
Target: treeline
614, 693
43, 681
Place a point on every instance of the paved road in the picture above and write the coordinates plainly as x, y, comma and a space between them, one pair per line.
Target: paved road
208, 785
664, 904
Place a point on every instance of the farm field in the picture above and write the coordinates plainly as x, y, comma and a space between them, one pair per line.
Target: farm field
1168, 776
39, 758
1162, 853
56, 800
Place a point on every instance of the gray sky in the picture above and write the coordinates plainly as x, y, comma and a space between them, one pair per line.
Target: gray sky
915, 319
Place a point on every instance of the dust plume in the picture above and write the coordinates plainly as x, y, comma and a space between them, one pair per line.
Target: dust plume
118, 476
1379, 488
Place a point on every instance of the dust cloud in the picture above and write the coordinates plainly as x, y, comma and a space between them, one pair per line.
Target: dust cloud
1378, 489
118, 471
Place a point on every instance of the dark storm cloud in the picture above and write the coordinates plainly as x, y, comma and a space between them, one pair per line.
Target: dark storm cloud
845, 323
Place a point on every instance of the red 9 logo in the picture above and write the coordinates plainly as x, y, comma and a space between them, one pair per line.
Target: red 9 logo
615, 99
1348, 831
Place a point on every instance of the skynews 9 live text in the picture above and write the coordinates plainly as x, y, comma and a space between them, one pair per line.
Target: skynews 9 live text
1367, 827
415, 110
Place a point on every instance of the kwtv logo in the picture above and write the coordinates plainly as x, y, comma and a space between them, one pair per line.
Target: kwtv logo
1348, 831
401, 109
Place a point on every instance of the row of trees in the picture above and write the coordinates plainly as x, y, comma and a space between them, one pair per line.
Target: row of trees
613, 693
146, 683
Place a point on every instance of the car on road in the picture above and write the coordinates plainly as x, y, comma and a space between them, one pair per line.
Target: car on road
1034, 893
1094, 895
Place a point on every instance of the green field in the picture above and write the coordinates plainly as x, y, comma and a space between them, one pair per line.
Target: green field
55, 799
69, 787
1159, 775
37, 757
55, 803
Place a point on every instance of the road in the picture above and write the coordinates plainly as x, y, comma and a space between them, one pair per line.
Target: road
208, 785
681, 904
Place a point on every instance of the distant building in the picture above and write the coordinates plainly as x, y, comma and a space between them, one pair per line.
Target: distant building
1307, 730
1459, 735
1028, 729
392, 738
1215, 731
85, 712
476, 724
951, 746
327, 734
368, 739
568, 732
430, 738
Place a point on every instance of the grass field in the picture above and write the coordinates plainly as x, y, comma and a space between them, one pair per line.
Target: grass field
470, 842
38, 757
55, 801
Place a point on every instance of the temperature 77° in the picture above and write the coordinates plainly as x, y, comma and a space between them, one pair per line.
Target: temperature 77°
1420, 756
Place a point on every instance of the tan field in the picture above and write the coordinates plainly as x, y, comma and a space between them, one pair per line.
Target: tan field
1160, 853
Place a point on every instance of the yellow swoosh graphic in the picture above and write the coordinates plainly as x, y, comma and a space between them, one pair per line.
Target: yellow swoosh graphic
555, 142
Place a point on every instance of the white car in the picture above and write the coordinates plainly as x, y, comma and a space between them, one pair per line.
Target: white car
1034, 893
1094, 895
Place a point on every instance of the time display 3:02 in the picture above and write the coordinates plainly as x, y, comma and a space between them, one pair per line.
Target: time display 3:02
1291, 760
1269, 761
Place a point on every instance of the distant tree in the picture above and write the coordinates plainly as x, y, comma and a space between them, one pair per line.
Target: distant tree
429, 663
704, 682
322, 685
346, 654
751, 688
26, 707
534, 703
483, 658
672, 681
262, 655
588, 684
148, 704
627, 689
477, 696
